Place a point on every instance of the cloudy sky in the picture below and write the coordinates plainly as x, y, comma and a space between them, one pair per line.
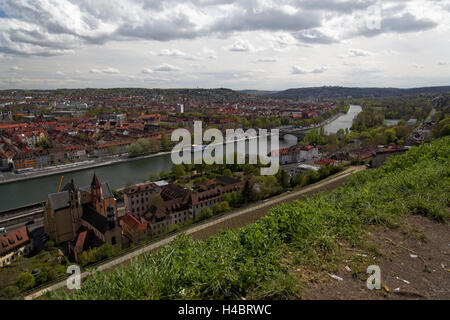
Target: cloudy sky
246, 44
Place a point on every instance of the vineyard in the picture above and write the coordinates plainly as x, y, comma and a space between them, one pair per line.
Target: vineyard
255, 262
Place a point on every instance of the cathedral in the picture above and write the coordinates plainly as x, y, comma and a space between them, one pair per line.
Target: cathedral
75, 211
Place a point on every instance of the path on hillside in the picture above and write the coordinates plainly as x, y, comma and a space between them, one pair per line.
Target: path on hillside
268, 203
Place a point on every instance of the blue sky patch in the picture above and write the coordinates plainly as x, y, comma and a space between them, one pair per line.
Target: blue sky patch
3, 14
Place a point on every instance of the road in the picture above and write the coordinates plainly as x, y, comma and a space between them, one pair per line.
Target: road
277, 200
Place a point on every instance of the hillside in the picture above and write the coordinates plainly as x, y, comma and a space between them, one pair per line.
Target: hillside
344, 92
223, 93
282, 254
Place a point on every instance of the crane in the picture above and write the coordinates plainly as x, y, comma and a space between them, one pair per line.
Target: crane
60, 182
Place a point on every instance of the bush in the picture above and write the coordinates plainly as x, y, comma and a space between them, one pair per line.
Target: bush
25, 281
9, 292
228, 173
204, 213
217, 208
49, 244
224, 206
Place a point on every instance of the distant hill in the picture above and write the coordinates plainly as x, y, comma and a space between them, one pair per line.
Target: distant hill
258, 92
224, 93
344, 92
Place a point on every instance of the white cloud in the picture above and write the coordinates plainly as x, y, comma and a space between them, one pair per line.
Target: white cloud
105, 71
417, 66
15, 68
241, 45
267, 59
111, 71
147, 71
300, 70
176, 54
358, 53
210, 54
166, 68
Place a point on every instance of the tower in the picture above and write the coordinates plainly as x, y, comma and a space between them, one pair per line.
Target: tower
97, 196
76, 209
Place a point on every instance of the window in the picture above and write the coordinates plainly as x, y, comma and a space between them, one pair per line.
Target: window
113, 240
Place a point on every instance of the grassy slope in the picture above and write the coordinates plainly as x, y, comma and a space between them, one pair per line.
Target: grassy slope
253, 261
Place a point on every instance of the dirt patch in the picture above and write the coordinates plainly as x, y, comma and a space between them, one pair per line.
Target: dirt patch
414, 260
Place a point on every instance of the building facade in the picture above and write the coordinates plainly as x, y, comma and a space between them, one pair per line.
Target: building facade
73, 210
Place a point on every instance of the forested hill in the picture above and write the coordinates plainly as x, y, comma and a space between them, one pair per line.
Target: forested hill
344, 92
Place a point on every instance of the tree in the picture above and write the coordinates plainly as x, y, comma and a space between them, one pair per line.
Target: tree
284, 180
217, 208
324, 172
204, 213
153, 176
164, 143
9, 292
246, 192
164, 175
301, 179
155, 199
225, 206
314, 176
228, 173
178, 171
49, 244
25, 281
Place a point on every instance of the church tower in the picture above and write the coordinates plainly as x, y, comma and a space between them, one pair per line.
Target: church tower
97, 196
75, 205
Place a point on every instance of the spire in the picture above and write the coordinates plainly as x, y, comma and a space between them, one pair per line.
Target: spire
95, 181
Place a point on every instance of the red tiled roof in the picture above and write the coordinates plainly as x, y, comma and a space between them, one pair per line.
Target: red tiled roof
324, 161
133, 223
308, 148
13, 240
80, 241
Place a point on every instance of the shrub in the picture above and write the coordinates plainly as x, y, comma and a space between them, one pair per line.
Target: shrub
9, 292
204, 213
49, 244
25, 281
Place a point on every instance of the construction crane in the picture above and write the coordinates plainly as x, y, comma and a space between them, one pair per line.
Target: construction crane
60, 182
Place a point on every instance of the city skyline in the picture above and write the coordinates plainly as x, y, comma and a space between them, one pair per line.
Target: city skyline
254, 44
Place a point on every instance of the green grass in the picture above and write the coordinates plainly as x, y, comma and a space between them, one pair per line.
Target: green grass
253, 261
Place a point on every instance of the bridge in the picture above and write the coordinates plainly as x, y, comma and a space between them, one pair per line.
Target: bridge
296, 132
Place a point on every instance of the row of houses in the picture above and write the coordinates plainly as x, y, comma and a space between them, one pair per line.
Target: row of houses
298, 153
178, 205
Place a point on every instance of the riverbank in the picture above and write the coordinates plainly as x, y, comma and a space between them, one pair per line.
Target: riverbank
11, 177
73, 167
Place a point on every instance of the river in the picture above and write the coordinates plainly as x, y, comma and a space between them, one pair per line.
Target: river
16, 194
343, 122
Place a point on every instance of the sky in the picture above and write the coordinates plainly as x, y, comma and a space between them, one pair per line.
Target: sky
247, 44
